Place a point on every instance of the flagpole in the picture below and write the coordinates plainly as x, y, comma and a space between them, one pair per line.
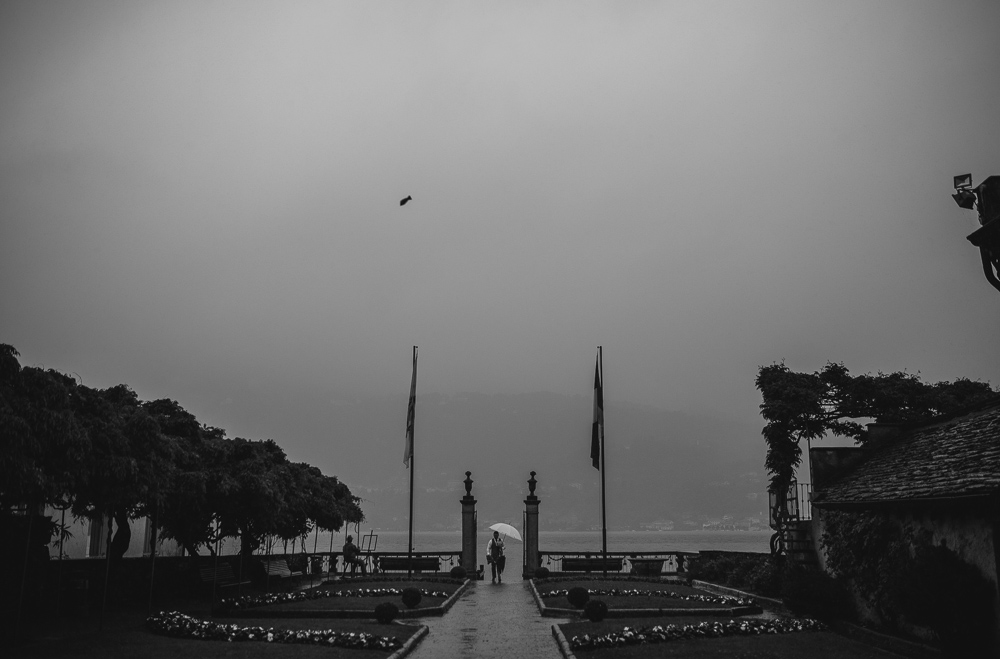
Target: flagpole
409, 542
413, 393
604, 518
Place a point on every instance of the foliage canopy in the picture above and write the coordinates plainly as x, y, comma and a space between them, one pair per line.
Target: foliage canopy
809, 406
106, 453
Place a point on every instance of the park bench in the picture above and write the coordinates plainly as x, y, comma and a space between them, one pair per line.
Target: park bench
402, 563
280, 569
221, 575
591, 564
646, 567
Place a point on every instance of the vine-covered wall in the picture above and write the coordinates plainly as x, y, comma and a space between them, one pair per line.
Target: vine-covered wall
929, 572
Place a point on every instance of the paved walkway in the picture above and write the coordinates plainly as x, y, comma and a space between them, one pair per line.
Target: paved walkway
490, 620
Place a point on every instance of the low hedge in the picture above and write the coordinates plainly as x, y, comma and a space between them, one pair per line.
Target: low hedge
761, 574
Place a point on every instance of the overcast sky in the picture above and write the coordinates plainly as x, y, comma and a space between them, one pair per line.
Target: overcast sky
201, 199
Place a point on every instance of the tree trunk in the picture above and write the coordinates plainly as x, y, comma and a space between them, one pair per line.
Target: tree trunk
123, 536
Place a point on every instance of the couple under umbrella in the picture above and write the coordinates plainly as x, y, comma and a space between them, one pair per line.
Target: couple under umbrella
495, 549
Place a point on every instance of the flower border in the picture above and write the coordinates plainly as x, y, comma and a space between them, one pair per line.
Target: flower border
254, 601
713, 629
632, 592
179, 625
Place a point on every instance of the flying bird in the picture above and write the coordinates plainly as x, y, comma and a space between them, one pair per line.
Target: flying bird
402, 202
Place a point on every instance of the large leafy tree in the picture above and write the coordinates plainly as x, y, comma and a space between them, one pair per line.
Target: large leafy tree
253, 487
129, 467
333, 504
311, 499
41, 443
186, 510
40, 446
109, 454
809, 406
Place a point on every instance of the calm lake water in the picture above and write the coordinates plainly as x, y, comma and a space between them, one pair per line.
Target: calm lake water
570, 541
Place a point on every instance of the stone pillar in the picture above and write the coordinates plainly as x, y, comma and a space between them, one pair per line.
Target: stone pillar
469, 529
531, 559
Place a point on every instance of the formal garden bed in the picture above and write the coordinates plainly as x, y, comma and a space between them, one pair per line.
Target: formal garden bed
133, 634
261, 630
354, 598
635, 597
700, 637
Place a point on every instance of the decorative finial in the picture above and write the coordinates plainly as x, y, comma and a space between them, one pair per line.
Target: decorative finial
468, 483
531, 485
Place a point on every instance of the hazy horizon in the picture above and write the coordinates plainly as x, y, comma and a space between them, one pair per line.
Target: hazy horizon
201, 200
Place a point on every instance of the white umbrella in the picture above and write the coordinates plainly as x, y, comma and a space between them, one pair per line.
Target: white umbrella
506, 529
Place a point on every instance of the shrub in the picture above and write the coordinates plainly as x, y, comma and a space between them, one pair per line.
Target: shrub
541, 573
759, 573
577, 597
765, 577
458, 572
386, 612
716, 569
411, 597
595, 610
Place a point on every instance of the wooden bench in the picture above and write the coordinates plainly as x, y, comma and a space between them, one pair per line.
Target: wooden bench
591, 564
646, 566
401, 563
280, 569
221, 575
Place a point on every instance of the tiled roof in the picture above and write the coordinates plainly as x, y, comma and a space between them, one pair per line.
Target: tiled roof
955, 458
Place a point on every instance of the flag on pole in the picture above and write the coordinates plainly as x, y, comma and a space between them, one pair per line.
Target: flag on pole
411, 412
598, 427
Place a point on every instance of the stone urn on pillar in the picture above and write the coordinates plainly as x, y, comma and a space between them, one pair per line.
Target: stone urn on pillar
469, 525
531, 558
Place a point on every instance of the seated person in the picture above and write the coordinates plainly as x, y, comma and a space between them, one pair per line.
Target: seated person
352, 556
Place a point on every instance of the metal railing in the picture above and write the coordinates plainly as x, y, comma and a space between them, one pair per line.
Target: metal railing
646, 563
804, 495
376, 564
797, 502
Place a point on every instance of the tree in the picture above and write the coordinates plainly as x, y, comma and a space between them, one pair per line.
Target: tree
252, 491
129, 466
109, 454
41, 442
808, 406
312, 499
186, 510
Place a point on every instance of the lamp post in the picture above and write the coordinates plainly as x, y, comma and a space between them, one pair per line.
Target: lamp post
984, 198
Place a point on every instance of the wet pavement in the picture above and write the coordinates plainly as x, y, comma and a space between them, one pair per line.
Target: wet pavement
490, 620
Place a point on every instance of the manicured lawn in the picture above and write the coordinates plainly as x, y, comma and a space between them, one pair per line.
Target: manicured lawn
796, 645
632, 601
365, 602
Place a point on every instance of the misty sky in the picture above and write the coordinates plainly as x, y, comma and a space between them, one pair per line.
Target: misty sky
201, 199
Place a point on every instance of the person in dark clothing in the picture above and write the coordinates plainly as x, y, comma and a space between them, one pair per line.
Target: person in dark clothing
495, 557
352, 556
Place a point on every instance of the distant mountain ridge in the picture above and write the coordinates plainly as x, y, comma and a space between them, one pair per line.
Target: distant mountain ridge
661, 465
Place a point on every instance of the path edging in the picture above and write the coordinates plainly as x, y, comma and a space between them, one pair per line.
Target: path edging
563, 644
538, 598
448, 603
768, 603
411, 642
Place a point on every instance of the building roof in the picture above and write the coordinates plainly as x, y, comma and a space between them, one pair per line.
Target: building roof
959, 457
